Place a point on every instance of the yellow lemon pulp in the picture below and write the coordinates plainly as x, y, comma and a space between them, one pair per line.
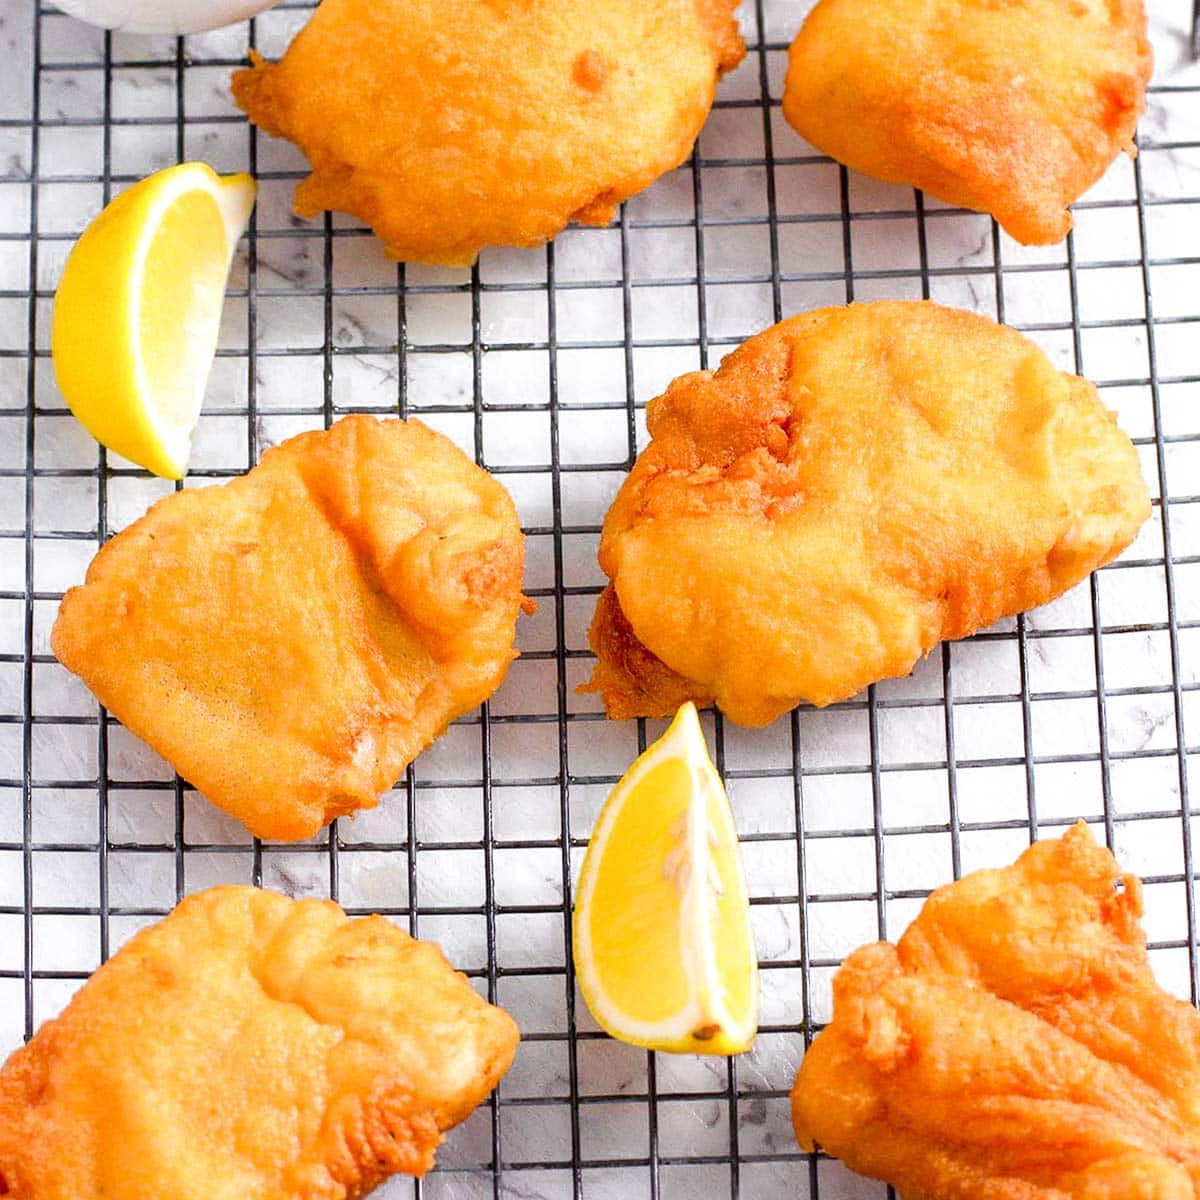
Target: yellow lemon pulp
138, 309
664, 951
176, 333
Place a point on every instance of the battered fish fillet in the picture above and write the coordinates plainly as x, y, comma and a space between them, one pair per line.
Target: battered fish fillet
1010, 107
292, 640
250, 1047
450, 127
851, 487
1013, 1045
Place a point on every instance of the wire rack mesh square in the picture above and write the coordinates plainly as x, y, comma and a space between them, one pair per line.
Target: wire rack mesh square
539, 364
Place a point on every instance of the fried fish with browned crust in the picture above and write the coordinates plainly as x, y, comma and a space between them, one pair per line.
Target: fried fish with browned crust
1009, 107
250, 1047
1013, 1045
292, 640
851, 487
450, 127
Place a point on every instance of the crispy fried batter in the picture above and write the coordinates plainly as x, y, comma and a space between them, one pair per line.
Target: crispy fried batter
291, 641
450, 127
250, 1047
1013, 1045
851, 487
1011, 107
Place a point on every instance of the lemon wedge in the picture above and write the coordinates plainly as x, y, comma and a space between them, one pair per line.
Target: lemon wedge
664, 951
138, 310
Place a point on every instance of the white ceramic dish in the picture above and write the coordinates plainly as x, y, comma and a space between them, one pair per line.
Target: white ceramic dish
162, 16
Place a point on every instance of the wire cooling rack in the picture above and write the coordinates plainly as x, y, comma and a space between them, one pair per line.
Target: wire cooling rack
539, 363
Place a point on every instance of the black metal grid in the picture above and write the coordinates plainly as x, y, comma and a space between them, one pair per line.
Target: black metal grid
590, 1117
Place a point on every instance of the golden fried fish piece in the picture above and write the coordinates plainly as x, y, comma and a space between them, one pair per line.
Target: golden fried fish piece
450, 127
292, 640
250, 1047
1009, 107
851, 487
1013, 1045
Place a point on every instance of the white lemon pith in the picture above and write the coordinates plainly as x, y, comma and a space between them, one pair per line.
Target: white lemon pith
138, 310
664, 951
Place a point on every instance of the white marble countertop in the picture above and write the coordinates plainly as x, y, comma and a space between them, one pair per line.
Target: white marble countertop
1033, 739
